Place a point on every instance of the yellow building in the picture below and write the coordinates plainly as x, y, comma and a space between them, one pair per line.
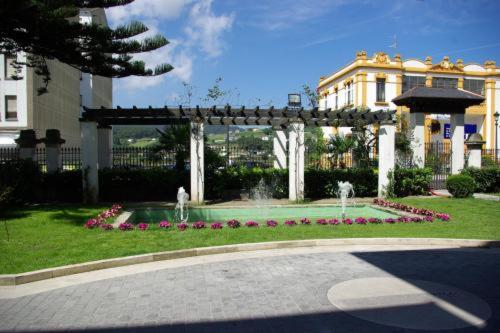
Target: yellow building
374, 81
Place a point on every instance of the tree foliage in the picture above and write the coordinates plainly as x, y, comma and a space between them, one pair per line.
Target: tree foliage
50, 29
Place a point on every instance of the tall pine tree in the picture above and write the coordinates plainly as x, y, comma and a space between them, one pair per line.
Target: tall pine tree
50, 29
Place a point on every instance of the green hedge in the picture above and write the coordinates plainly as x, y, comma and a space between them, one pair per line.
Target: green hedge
22, 182
141, 185
411, 181
460, 186
487, 179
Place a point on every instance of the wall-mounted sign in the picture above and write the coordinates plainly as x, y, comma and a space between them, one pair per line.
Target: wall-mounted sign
468, 129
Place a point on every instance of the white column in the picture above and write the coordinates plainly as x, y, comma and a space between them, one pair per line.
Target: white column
386, 158
52, 156
279, 148
474, 157
417, 125
197, 163
296, 162
89, 161
457, 142
105, 146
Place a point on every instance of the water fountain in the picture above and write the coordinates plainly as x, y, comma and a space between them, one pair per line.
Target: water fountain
260, 197
345, 189
181, 208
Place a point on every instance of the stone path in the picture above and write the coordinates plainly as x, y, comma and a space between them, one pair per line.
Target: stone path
266, 291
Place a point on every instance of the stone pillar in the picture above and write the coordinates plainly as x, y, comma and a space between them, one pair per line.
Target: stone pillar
105, 146
474, 146
53, 144
296, 150
457, 142
89, 153
417, 125
386, 158
26, 143
197, 162
279, 148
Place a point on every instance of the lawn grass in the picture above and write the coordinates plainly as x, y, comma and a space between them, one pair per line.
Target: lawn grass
49, 236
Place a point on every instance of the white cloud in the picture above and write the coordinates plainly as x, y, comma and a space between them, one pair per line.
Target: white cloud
284, 14
146, 9
205, 28
179, 59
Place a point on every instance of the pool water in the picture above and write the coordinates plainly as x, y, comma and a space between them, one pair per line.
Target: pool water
259, 214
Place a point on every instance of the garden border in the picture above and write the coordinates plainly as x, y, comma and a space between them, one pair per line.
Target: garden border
49, 273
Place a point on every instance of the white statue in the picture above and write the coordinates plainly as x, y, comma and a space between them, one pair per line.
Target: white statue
181, 209
345, 189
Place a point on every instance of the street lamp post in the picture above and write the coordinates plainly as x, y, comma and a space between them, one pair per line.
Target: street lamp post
496, 115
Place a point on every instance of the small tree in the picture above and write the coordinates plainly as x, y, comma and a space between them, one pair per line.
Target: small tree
338, 146
311, 94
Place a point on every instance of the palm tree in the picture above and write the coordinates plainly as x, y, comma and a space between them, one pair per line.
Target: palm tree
175, 138
338, 145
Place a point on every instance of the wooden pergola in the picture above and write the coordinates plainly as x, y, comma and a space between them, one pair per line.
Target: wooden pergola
97, 138
345, 117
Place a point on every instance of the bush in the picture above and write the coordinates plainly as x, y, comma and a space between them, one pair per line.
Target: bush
460, 186
324, 183
487, 179
20, 182
141, 185
411, 181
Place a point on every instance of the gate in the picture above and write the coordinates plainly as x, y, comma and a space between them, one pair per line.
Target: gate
438, 158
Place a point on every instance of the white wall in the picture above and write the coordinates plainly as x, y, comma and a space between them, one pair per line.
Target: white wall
9, 129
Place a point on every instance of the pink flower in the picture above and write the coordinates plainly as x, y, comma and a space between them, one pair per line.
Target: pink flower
182, 226
429, 218
251, 224
233, 224
290, 223
390, 220
216, 225
443, 217
305, 220
347, 221
271, 223
321, 221
125, 227
199, 225
106, 226
165, 224
374, 220
143, 226
92, 223
360, 220
334, 221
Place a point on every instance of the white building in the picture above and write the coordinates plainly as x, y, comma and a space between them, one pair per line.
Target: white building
374, 81
60, 108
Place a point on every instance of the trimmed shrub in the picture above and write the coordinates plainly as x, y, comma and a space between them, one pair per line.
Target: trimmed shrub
412, 181
487, 179
20, 182
460, 186
324, 183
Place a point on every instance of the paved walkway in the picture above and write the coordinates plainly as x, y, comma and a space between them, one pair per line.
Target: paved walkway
286, 290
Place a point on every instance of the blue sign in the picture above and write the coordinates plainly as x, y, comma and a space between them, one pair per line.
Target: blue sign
468, 129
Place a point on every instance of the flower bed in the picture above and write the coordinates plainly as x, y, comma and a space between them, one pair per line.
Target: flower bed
413, 210
100, 220
426, 216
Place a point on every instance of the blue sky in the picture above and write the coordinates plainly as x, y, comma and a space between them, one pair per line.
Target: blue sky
264, 49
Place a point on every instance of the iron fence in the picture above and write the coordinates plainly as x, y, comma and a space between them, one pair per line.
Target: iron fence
318, 159
70, 158
249, 156
489, 157
9, 154
40, 159
438, 158
144, 158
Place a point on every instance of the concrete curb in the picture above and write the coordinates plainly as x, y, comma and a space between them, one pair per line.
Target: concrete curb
49, 273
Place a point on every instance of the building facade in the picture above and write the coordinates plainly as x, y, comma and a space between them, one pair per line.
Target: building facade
374, 81
22, 108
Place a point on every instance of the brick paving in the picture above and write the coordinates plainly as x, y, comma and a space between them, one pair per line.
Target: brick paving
269, 294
